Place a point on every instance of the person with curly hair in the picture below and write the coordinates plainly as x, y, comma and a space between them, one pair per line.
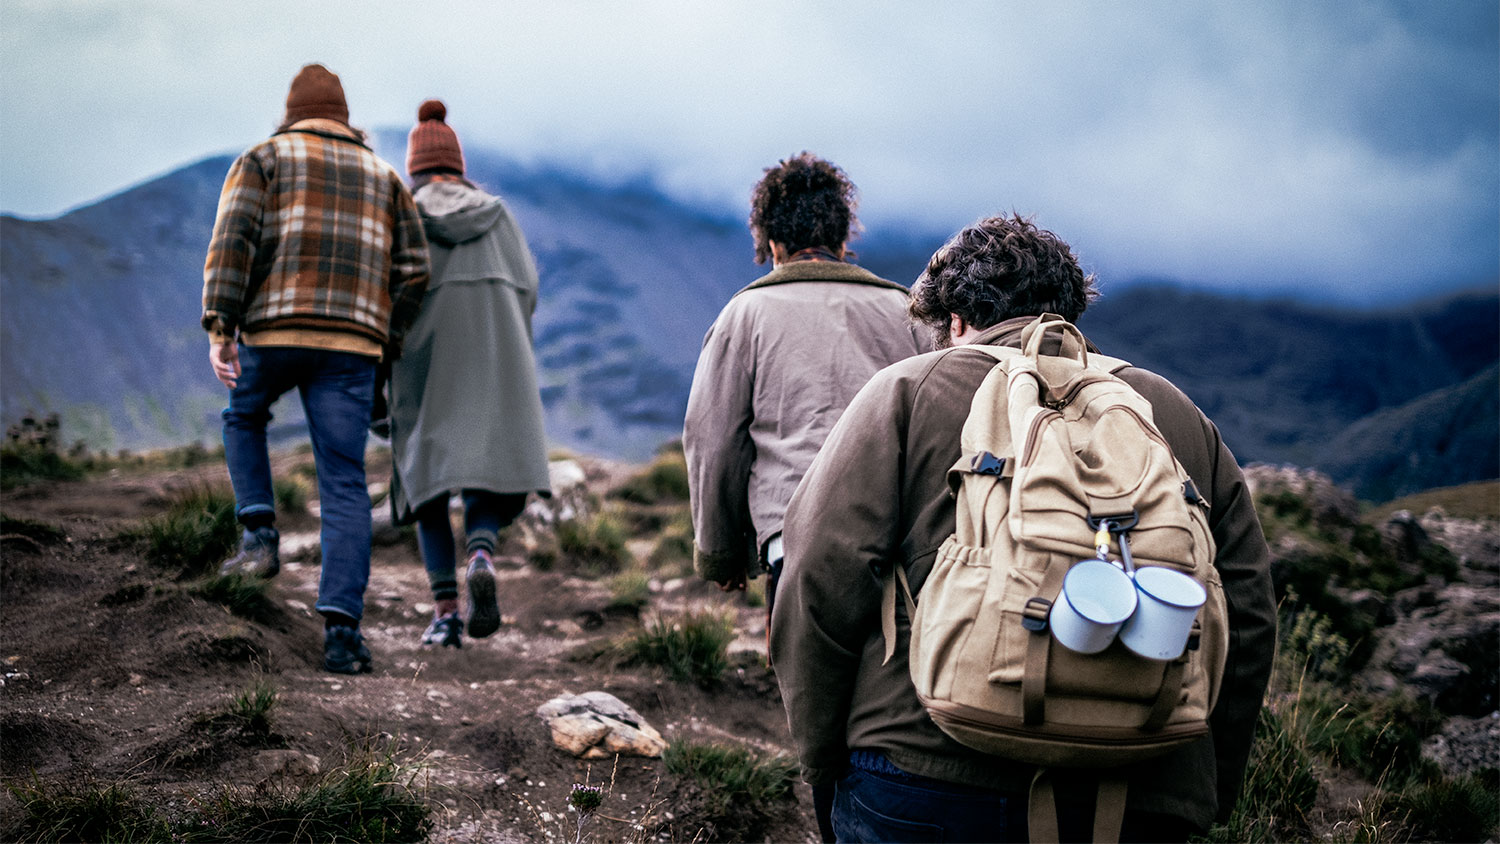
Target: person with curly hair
878, 496
779, 365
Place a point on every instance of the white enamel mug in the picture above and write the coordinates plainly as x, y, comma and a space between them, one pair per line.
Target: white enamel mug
1169, 601
1096, 599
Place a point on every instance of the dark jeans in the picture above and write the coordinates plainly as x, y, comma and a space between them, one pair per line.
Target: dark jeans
485, 513
877, 802
337, 389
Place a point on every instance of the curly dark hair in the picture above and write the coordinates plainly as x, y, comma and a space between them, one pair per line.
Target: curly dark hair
802, 202
997, 269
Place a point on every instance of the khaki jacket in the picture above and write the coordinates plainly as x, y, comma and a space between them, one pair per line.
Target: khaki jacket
877, 496
778, 367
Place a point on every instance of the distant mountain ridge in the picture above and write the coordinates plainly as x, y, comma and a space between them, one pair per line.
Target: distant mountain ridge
99, 310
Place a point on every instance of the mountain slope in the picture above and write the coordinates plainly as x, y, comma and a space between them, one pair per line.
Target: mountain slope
1444, 438
99, 323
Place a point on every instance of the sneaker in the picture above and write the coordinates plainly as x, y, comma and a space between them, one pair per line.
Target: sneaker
484, 612
258, 555
446, 630
344, 651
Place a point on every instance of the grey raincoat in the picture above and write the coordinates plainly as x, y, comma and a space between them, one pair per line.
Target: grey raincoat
465, 408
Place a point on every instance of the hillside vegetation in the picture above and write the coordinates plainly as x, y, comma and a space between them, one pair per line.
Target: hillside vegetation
145, 699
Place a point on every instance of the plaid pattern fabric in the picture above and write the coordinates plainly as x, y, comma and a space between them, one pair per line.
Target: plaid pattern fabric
314, 231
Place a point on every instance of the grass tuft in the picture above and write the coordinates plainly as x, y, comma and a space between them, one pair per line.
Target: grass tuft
666, 479
251, 711
291, 495
197, 532
739, 787
629, 590
598, 542
244, 596
84, 810
371, 798
692, 648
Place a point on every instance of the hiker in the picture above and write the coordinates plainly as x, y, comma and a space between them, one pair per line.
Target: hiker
878, 496
466, 412
779, 365
315, 270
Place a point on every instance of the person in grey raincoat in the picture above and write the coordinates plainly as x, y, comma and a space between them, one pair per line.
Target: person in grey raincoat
465, 409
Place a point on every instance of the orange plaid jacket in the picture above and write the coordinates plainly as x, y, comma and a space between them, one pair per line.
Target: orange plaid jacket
315, 232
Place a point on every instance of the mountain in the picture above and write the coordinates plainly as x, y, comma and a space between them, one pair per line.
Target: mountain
1284, 380
99, 310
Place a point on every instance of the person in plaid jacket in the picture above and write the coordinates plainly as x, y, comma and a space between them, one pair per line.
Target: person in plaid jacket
317, 267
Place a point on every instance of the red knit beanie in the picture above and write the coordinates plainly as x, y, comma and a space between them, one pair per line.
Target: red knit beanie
432, 144
316, 92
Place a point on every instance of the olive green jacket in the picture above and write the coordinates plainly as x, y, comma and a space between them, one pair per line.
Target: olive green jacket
877, 496
466, 412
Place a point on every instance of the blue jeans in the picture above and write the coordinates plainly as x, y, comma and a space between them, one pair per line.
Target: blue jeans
485, 513
338, 391
876, 801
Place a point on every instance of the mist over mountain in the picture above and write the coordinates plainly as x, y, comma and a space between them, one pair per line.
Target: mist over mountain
99, 310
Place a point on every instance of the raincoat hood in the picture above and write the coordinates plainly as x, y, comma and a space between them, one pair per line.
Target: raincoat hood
453, 212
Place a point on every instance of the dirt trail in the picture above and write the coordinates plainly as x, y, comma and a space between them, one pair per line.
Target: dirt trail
111, 669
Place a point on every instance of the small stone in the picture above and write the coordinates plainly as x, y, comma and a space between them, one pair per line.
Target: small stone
136, 679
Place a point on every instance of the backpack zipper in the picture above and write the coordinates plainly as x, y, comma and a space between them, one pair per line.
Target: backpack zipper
1033, 438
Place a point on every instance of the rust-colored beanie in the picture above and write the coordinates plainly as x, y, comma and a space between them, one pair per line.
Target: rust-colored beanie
316, 92
433, 144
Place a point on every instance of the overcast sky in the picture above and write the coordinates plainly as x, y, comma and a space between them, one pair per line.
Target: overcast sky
1346, 151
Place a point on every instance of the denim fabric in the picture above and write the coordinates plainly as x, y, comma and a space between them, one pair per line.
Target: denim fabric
485, 513
337, 391
877, 802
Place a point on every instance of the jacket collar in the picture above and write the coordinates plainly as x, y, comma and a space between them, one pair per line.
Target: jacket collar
821, 271
327, 128
1008, 333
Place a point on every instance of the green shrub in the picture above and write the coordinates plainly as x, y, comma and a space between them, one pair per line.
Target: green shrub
1306, 649
675, 547
197, 532
692, 648
291, 495
369, 799
630, 590
598, 543
755, 592
739, 788
244, 596
84, 810
1464, 808
666, 479
1380, 737
31, 453
250, 712
1280, 785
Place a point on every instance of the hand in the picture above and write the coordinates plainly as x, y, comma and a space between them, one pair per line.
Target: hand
225, 359
733, 584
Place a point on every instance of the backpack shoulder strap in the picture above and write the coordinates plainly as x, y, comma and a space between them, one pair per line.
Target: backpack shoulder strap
1107, 363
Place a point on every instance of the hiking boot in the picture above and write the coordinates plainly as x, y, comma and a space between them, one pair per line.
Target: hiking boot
484, 612
258, 555
446, 630
344, 651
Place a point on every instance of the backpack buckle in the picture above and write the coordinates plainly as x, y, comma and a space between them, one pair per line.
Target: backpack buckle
1034, 614
985, 463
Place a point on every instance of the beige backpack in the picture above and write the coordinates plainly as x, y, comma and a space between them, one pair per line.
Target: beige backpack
1054, 449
